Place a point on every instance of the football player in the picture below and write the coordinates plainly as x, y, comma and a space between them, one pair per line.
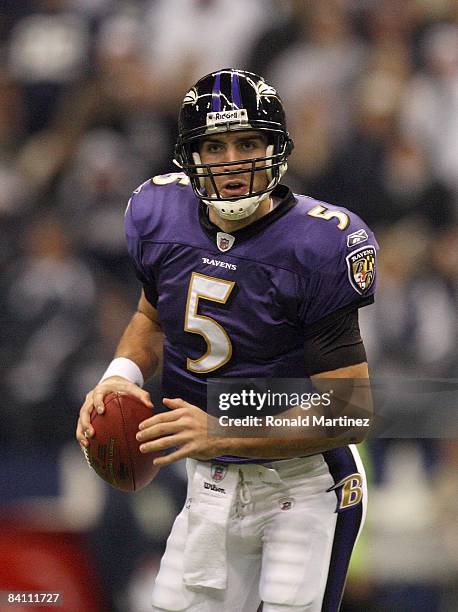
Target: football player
243, 278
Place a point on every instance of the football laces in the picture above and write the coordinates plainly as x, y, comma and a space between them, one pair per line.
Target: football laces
86, 456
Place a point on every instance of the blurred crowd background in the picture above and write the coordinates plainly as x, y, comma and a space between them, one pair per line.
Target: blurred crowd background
89, 96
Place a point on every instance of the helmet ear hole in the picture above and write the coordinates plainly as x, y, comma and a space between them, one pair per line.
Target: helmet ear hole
198, 161
269, 153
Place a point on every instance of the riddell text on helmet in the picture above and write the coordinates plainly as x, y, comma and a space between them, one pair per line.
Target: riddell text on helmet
239, 115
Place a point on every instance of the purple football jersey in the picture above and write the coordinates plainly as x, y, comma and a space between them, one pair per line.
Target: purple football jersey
240, 305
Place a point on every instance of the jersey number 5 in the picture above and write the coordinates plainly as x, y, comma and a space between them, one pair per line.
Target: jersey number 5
219, 347
172, 177
321, 212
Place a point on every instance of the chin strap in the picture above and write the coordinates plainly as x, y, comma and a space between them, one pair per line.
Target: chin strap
228, 210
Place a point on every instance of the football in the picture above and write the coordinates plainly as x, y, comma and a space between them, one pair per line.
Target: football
113, 450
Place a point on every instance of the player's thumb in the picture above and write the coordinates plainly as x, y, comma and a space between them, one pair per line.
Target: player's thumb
174, 403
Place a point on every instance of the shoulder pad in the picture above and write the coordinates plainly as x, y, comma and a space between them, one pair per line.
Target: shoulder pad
157, 203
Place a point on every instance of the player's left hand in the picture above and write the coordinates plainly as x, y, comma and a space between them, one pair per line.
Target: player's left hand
185, 427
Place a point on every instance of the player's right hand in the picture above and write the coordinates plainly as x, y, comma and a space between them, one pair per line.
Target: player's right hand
94, 399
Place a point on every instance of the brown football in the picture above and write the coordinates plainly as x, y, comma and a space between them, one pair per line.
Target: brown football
113, 450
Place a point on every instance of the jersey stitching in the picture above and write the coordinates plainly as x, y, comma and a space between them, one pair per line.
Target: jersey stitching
218, 254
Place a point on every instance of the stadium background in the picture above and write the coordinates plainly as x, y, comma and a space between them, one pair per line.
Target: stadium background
89, 94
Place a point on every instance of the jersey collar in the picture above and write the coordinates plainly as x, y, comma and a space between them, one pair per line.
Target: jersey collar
287, 201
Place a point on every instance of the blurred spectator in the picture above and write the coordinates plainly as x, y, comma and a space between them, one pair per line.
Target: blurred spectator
123, 97
15, 201
93, 196
48, 313
48, 50
284, 31
390, 22
49, 53
13, 11
208, 35
316, 146
315, 73
325, 57
112, 310
411, 189
355, 176
412, 330
430, 106
92, 8
12, 128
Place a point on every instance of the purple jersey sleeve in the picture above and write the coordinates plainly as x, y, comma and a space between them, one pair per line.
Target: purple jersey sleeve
344, 276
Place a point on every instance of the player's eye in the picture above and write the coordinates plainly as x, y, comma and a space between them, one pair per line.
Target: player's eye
251, 145
213, 147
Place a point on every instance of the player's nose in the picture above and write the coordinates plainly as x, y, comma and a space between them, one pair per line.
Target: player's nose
238, 165
233, 156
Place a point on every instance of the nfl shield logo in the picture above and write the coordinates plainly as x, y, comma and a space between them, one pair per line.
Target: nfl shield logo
218, 471
361, 269
224, 241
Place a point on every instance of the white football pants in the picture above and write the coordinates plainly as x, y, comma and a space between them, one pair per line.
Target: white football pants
281, 533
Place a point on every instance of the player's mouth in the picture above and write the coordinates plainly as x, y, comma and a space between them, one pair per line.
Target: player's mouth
234, 188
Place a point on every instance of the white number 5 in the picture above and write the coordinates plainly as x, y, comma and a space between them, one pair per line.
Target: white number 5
219, 347
173, 177
321, 212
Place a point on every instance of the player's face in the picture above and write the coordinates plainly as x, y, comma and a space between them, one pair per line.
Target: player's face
234, 147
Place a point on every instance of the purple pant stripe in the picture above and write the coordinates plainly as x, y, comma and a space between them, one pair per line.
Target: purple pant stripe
341, 463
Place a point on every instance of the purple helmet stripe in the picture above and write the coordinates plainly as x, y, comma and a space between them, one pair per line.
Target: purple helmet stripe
216, 94
235, 90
